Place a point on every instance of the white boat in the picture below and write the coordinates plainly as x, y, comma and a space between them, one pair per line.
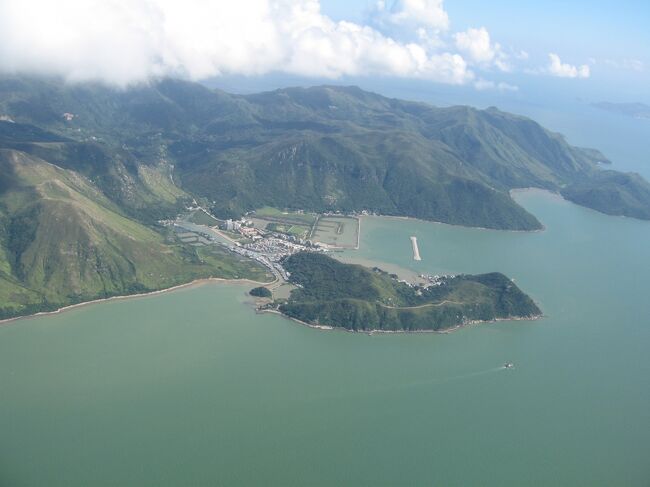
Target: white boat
508, 365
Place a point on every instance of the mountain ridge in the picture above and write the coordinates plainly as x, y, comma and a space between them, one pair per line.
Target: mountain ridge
320, 148
88, 171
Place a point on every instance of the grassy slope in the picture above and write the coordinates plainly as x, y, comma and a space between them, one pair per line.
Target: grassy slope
65, 242
354, 297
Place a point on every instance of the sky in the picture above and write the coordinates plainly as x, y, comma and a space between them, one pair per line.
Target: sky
611, 37
506, 48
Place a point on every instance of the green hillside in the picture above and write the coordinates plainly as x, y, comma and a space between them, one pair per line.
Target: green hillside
357, 298
88, 171
62, 241
321, 148
613, 193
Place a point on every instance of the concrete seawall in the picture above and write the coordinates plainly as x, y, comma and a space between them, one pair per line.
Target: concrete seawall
416, 251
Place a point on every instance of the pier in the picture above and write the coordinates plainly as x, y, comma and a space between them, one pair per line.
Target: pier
416, 251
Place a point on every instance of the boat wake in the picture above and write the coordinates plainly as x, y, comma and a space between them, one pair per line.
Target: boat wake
454, 378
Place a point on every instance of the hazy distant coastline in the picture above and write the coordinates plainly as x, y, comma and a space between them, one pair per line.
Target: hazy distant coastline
634, 110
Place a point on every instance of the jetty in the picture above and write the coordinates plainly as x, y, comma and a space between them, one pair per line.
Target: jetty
416, 251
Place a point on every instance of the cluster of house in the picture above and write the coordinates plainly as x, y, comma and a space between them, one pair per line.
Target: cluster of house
268, 248
275, 248
243, 227
436, 280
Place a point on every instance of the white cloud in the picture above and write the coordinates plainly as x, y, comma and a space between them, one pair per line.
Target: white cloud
482, 85
628, 64
429, 14
127, 41
633, 64
557, 68
476, 42
523, 55
480, 49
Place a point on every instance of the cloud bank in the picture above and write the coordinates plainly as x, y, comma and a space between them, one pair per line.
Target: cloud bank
123, 42
126, 41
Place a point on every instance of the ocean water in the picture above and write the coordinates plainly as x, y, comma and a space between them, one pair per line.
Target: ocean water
194, 388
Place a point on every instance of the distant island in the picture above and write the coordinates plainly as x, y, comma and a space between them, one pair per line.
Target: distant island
333, 294
636, 110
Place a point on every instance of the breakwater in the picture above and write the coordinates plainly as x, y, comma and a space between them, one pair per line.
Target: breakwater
416, 251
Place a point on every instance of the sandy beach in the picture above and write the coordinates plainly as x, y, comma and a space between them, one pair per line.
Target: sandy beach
196, 282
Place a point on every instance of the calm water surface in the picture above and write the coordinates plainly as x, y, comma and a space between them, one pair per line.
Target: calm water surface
194, 388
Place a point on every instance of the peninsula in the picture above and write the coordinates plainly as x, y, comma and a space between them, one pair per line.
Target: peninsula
331, 293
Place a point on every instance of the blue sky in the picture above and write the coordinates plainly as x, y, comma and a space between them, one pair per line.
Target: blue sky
594, 28
609, 36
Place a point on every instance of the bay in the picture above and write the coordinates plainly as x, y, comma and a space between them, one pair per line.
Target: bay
194, 388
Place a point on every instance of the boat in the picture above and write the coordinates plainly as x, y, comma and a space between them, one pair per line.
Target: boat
508, 365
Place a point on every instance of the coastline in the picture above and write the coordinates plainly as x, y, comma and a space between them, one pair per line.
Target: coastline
194, 283
403, 272
510, 192
203, 281
395, 332
411, 218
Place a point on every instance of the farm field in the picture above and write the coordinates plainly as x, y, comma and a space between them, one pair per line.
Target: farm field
273, 214
292, 223
300, 231
200, 217
337, 231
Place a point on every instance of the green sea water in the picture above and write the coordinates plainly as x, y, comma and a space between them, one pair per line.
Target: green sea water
194, 388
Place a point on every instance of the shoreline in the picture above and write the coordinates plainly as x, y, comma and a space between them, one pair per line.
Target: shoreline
194, 283
359, 218
395, 332
219, 280
412, 218
510, 192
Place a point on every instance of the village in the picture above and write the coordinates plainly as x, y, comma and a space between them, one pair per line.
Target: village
242, 237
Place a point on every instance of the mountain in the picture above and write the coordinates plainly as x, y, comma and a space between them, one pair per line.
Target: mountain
321, 148
62, 241
613, 193
88, 171
344, 149
354, 297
